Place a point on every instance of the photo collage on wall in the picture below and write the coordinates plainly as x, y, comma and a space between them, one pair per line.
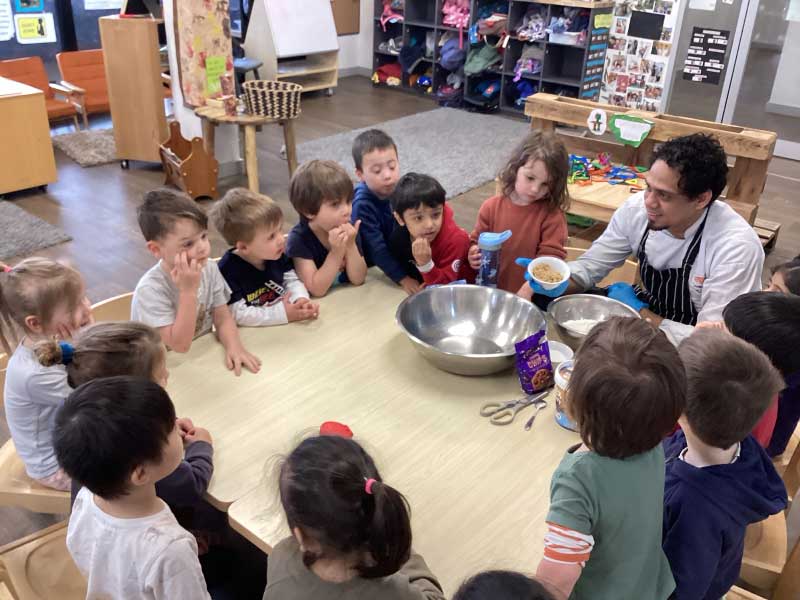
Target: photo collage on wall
639, 53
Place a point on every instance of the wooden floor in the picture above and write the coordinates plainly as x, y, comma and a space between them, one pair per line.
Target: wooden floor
97, 206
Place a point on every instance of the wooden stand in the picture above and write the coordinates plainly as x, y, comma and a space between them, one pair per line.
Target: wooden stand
212, 116
135, 91
751, 148
26, 152
188, 165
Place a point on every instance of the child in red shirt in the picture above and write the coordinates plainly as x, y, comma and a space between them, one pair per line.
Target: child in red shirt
427, 240
531, 204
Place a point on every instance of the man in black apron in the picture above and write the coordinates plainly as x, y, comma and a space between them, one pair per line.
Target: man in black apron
695, 252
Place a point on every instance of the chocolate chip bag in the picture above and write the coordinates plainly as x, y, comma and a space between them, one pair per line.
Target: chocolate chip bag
533, 363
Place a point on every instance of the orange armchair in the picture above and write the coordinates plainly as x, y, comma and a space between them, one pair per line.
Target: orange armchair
30, 71
84, 73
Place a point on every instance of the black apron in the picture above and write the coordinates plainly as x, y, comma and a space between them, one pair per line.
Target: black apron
667, 292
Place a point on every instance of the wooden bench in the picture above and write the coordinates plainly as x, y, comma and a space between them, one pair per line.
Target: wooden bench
751, 150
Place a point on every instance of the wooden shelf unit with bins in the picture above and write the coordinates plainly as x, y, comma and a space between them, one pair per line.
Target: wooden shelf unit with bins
135, 88
751, 150
571, 70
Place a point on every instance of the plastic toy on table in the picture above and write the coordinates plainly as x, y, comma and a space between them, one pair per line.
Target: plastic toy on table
600, 170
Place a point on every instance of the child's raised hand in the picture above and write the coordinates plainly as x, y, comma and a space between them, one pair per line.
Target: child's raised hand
237, 357
301, 310
421, 250
198, 434
352, 232
185, 426
410, 285
337, 238
186, 274
474, 257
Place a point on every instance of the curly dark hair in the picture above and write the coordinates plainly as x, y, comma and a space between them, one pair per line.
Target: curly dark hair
699, 159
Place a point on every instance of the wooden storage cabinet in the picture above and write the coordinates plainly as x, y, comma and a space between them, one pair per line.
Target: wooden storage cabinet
135, 88
26, 151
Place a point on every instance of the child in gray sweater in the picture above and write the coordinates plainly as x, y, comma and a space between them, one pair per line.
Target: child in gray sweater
351, 533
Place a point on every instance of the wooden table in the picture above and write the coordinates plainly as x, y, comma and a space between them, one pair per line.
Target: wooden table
479, 493
750, 148
211, 116
26, 151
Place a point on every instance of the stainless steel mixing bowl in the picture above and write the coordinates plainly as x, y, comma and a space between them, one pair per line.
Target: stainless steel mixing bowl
583, 306
468, 329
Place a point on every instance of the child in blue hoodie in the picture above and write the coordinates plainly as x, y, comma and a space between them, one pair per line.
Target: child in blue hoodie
378, 169
718, 480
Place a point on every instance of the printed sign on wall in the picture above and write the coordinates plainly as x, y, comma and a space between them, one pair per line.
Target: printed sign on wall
6, 21
35, 29
705, 59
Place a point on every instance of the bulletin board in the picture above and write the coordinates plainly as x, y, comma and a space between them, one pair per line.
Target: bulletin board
203, 43
639, 53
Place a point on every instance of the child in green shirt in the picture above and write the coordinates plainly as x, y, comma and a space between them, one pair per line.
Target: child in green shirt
627, 390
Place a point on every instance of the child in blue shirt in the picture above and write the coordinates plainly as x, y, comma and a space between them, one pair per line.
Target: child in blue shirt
265, 289
378, 169
324, 245
718, 478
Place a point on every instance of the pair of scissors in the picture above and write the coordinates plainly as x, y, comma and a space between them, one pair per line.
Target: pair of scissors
504, 413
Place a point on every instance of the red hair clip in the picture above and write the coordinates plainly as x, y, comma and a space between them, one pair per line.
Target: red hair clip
335, 428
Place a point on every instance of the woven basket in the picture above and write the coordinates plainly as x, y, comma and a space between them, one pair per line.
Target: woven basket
273, 99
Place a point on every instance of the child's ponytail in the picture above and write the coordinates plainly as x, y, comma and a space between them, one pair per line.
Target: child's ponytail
49, 353
105, 349
388, 532
332, 492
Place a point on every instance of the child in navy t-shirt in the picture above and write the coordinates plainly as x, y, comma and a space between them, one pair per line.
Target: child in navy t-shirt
265, 289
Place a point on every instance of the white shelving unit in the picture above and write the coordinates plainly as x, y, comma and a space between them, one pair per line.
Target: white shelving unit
296, 41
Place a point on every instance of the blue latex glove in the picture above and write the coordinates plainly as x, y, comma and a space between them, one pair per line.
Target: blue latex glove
624, 293
538, 289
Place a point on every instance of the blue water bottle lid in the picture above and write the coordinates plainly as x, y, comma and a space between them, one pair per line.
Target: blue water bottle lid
490, 240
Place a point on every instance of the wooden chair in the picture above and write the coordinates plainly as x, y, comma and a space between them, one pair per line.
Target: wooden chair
765, 568
30, 71
117, 308
788, 464
39, 567
84, 74
17, 489
627, 273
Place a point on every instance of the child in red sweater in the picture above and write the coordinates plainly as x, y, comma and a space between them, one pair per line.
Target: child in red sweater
532, 204
427, 240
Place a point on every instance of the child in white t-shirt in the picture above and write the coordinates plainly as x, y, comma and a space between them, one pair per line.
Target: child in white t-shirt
118, 436
184, 294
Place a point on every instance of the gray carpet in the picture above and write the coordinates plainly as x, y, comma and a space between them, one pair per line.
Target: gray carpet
461, 149
23, 233
88, 148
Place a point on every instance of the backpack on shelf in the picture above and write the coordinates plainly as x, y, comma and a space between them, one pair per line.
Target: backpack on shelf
456, 14
392, 13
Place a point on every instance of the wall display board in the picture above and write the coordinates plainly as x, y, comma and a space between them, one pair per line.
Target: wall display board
639, 53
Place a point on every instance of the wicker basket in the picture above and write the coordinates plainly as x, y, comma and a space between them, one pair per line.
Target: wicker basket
273, 99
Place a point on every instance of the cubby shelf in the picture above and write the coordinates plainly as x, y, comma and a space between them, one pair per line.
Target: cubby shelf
570, 70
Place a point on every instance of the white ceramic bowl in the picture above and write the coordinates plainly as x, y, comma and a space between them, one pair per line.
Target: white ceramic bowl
559, 352
554, 263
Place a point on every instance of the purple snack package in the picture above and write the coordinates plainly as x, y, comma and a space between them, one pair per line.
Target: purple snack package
533, 363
